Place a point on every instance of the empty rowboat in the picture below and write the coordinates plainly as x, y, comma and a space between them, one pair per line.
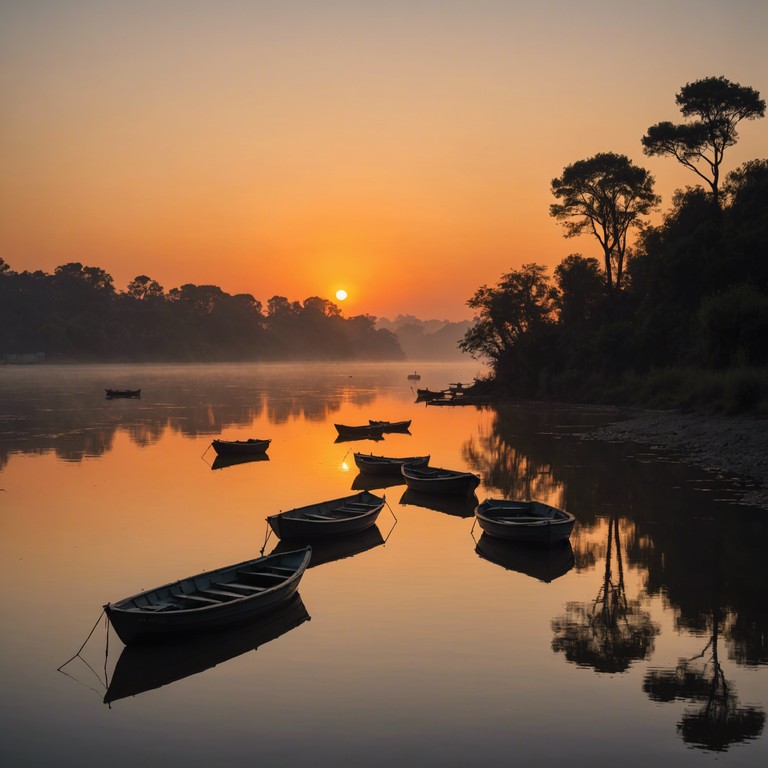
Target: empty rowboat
248, 447
211, 599
525, 521
437, 480
110, 393
337, 517
361, 432
392, 426
387, 465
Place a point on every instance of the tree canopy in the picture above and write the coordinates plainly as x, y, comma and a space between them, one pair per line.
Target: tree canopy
605, 195
716, 106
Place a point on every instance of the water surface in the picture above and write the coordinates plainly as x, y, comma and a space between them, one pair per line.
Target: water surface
421, 641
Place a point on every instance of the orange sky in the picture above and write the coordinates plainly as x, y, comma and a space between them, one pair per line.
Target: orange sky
402, 150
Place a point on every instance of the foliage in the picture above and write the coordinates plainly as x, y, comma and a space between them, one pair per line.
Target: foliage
605, 195
716, 106
76, 314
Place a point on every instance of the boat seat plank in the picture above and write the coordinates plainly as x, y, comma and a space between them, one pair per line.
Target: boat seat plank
221, 592
245, 572
319, 516
201, 599
238, 585
521, 519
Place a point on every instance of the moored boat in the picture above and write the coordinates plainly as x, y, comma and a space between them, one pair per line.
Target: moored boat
387, 465
360, 432
438, 480
524, 521
110, 393
392, 426
145, 667
337, 517
429, 394
209, 600
248, 447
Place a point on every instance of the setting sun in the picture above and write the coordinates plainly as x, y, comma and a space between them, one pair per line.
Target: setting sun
341, 294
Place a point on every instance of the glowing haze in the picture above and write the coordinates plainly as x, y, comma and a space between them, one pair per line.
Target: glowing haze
403, 150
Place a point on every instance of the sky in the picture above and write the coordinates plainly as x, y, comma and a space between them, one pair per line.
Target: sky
402, 151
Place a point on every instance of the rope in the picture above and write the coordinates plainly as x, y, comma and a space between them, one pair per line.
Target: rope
389, 508
103, 612
266, 539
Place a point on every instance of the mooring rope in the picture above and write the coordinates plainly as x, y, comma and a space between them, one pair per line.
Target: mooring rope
103, 613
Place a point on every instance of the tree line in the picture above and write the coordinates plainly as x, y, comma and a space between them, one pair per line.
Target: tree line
77, 314
667, 309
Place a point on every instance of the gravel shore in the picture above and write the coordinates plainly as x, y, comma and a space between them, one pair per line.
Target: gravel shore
734, 446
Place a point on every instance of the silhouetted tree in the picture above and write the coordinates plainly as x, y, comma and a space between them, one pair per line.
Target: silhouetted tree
716, 106
606, 195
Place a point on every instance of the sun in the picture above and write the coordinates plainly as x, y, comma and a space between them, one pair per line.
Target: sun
341, 294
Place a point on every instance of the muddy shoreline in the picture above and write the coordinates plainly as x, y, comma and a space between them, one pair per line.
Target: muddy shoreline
736, 447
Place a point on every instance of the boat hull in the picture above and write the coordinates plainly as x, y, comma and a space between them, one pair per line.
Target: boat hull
384, 465
441, 481
323, 520
135, 621
240, 447
364, 431
551, 527
392, 426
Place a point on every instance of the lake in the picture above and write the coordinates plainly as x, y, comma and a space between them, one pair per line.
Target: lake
643, 641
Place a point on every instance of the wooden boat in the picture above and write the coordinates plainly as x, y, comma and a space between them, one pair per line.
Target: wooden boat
361, 432
429, 394
149, 666
211, 599
542, 563
336, 517
414, 376
438, 480
248, 447
392, 426
123, 393
528, 521
387, 465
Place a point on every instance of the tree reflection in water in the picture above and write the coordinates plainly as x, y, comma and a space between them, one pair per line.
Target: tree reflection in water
720, 720
612, 631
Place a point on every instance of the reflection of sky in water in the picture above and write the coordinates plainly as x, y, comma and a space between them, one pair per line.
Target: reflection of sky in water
424, 647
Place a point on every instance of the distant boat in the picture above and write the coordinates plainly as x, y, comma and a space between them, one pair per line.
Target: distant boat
524, 521
145, 667
392, 426
542, 563
414, 376
123, 393
429, 394
338, 517
387, 465
248, 447
361, 432
211, 599
438, 480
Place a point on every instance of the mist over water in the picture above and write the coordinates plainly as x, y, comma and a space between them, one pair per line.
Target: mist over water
422, 641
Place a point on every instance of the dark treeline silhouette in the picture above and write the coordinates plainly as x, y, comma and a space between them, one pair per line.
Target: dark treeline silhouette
76, 314
681, 317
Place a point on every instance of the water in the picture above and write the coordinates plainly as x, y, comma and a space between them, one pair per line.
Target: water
421, 642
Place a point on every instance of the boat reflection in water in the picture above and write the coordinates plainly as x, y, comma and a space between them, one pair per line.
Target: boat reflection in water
143, 668
367, 482
458, 506
222, 462
542, 563
326, 551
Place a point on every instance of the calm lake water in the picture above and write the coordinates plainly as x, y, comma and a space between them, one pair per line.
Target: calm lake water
643, 642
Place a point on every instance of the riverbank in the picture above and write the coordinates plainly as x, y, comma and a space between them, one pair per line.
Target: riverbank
735, 446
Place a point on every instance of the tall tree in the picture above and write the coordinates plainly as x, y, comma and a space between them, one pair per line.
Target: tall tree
605, 195
716, 106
